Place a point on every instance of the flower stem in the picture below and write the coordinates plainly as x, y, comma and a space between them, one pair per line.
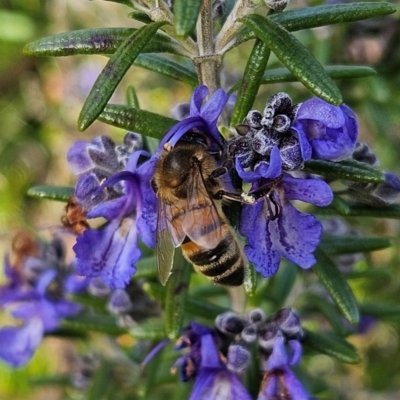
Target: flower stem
207, 63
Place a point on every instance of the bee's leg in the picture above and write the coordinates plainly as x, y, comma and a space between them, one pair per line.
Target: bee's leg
265, 190
240, 198
217, 173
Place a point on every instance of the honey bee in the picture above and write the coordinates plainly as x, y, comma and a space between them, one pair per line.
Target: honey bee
75, 217
186, 185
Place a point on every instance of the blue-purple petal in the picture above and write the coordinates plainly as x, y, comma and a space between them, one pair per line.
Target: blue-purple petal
314, 191
259, 250
295, 235
294, 387
78, 158
18, 344
331, 130
109, 253
197, 99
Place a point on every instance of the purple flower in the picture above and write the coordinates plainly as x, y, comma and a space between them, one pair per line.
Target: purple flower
278, 379
325, 131
38, 300
272, 226
112, 251
203, 362
97, 160
202, 117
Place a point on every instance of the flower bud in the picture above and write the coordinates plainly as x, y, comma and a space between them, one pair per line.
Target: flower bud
229, 323
288, 321
119, 303
256, 316
239, 357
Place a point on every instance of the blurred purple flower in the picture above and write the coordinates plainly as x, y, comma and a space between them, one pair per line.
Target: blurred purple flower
325, 131
279, 380
39, 300
272, 226
111, 252
203, 362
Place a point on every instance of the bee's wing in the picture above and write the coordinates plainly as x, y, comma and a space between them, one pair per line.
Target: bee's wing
202, 222
169, 236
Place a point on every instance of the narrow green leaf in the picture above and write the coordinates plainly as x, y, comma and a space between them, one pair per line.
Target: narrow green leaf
332, 345
176, 295
133, 119
313, 17
337, 286
277, 288
124, 2
329, 311
113, 72
380, 310
250, 280
101, 381
340, 205
295, 57
369, 273
95, 41
44, 380
185, 16
198, 307
350, 170
151, 329
85, 322
280, 75
250, 83
167, 67
362, 210
146, 267
131, 97
354, 244
57, 193
140, 16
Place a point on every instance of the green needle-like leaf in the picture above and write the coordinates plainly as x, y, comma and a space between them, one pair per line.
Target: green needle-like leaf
113, 72
198, 307
250, 83
176, 295
151, 329
85, 322
168, 67
332, 345
295, 57
95, 41
185, 16
350, 170
362, 210
280, 75
313, 302
57, 193
131, 97
313, 17
337, 286
354, 244
380, 310
133, 119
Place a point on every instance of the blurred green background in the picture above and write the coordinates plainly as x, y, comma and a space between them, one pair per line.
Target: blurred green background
40, 100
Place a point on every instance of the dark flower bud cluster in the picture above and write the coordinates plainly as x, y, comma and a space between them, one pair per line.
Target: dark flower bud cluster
217, 358
373, 194
261, 132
